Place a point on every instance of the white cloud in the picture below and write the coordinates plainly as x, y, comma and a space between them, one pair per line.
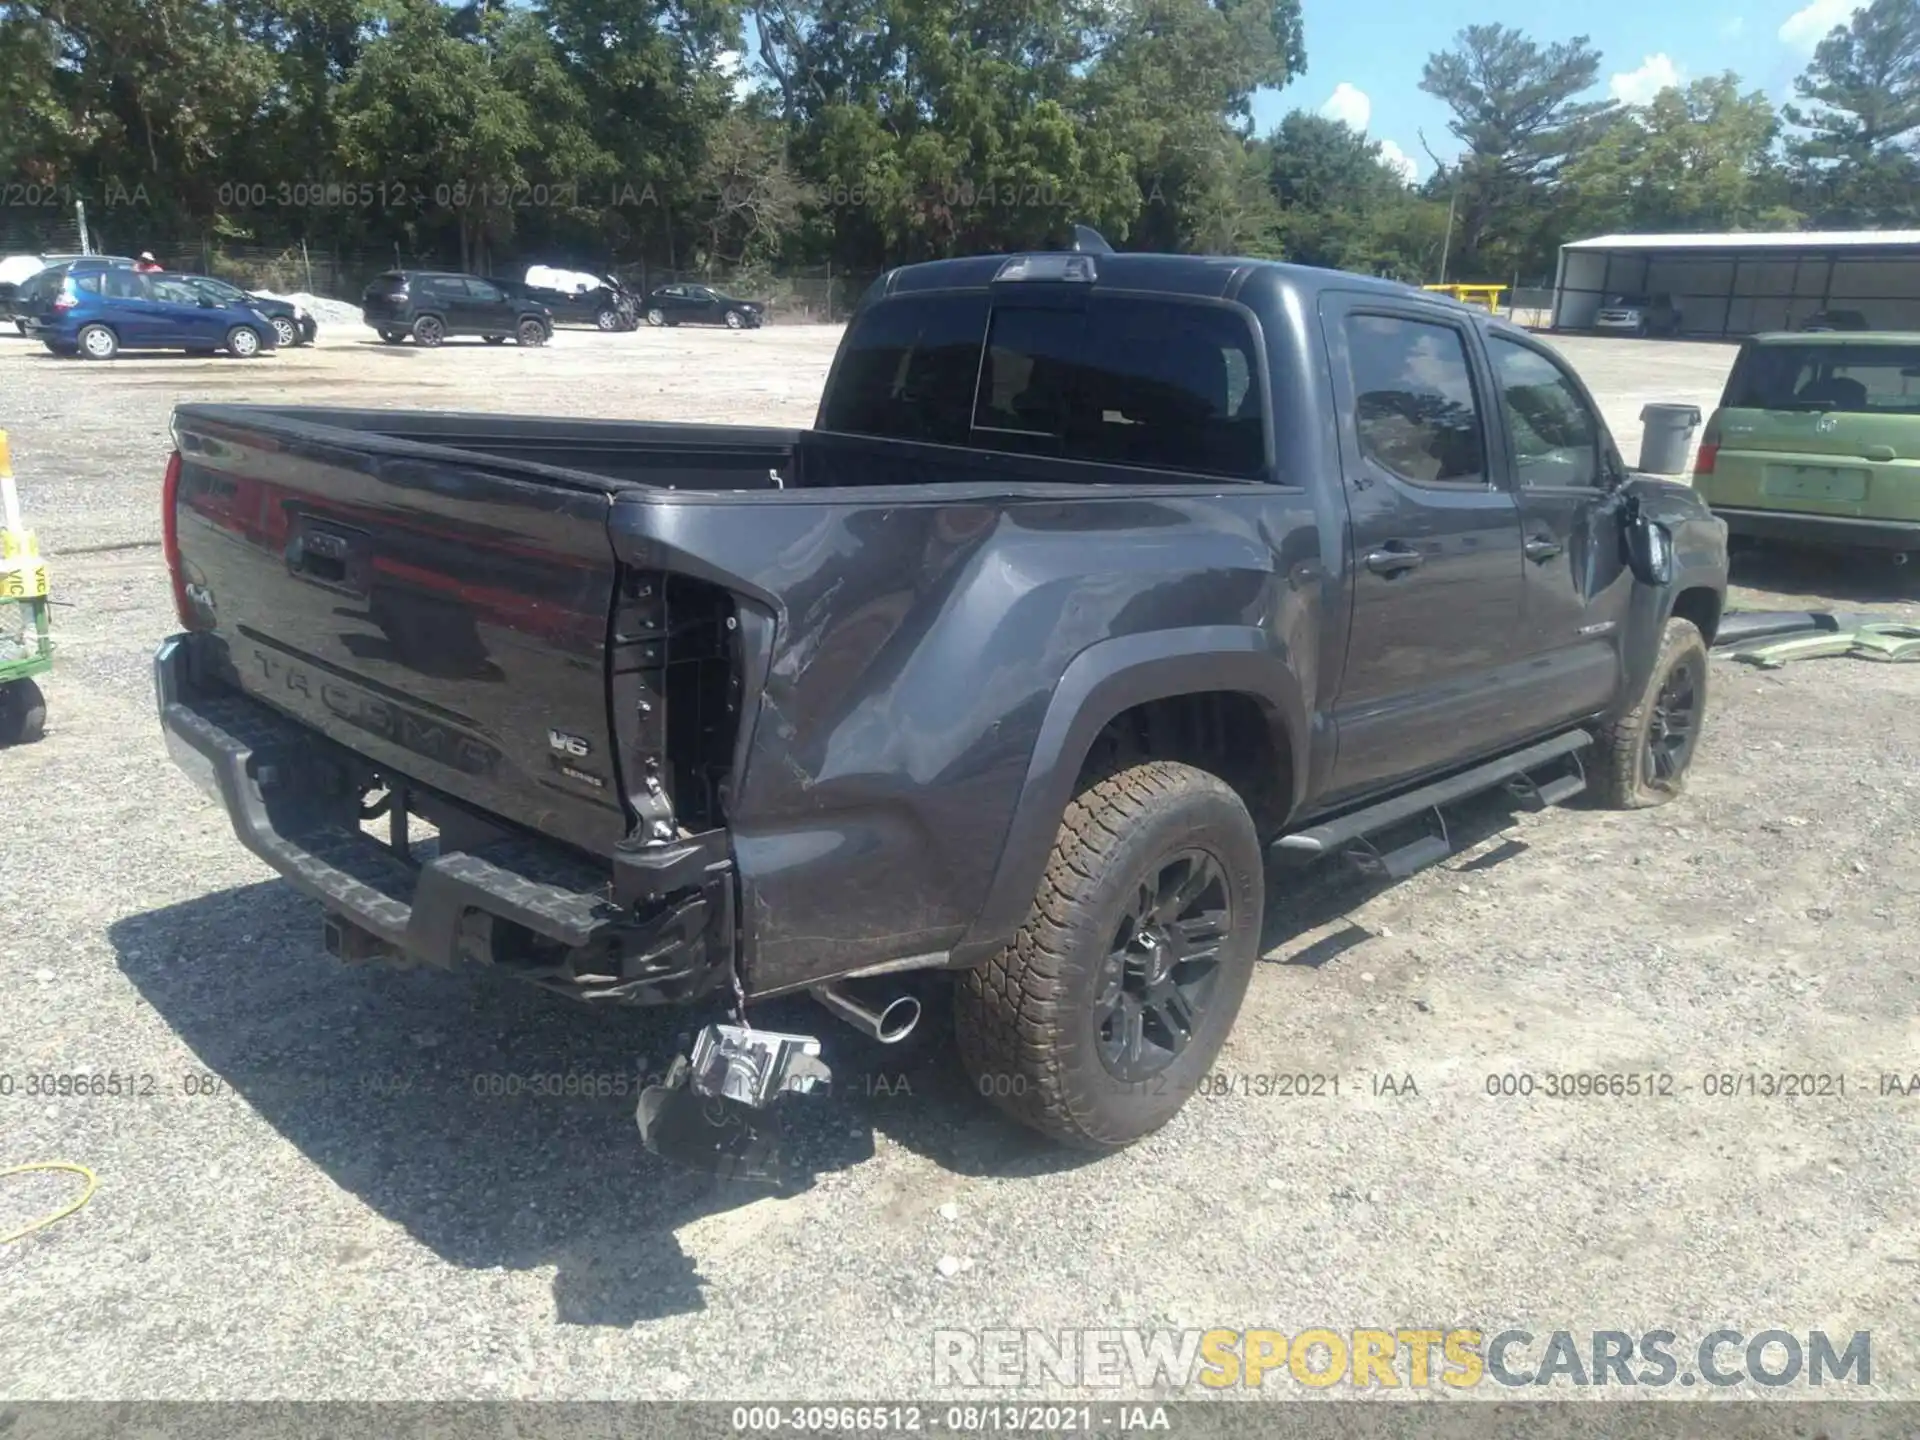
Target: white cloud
734, 64
1806, 28
1348, 103
1637, 87
1733, 27
1393, 156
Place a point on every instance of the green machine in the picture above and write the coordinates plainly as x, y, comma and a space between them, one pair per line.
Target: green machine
26, 639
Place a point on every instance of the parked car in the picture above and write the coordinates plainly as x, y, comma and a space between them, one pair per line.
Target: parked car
1817, 441
701, 305
1837, 320
98, 311
292, 324
1217, 562
434, 305
15, 270
1639, 315
596, 300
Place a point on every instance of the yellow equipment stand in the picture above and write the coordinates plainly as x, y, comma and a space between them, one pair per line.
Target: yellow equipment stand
26, 639
1486, 297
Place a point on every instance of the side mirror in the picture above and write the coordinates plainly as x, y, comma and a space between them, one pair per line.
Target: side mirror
1648, 545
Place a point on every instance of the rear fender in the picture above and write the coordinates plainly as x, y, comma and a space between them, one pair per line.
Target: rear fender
1102, 682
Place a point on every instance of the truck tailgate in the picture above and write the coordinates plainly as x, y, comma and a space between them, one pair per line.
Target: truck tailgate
439, 613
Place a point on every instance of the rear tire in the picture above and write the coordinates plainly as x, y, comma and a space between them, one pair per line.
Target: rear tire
429, 330
285, 333
97, 342
656, 318
23, 713
531, 332
1643, 757
608, 319
1113, 1000
735, 320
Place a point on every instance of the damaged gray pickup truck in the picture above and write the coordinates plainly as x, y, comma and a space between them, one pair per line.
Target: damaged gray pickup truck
1104, 586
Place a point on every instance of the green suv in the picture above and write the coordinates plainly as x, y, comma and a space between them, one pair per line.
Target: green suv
1817, 441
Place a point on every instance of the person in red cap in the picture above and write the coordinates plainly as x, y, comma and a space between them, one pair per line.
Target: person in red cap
146, 262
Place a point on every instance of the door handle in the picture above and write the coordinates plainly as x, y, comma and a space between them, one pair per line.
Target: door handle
1391, 561
1541, 548
1878, 452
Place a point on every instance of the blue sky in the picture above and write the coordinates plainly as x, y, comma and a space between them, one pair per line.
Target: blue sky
1364, 60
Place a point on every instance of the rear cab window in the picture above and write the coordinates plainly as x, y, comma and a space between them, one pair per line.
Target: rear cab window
1113, 380
1851, 378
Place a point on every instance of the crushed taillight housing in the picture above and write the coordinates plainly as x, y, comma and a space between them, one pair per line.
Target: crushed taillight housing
1703, 462
170, 542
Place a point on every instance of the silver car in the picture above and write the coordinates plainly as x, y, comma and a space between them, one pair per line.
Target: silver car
1638, 315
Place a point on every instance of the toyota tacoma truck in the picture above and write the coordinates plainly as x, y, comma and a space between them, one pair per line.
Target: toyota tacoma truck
1105, 588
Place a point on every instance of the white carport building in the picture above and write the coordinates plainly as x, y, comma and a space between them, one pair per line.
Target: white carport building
1741, 284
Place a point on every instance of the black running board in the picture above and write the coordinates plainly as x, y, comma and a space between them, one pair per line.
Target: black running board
1341, 831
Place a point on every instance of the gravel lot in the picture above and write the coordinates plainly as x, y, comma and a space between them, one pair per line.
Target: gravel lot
344, 1216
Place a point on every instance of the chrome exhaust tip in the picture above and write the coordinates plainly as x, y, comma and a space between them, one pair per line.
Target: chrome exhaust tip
890, 1024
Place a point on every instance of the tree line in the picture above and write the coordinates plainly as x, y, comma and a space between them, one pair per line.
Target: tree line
728, 135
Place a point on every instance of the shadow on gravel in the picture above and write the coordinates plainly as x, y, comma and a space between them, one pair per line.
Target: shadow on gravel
495, 1122
1305, 898
1860, 577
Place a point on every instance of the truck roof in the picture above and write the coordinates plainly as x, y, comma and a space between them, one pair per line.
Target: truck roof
1204, 276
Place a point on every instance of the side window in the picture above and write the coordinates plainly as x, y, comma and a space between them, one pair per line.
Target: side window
1556, 437
1415, 409
123, 285
907, 370
1153, 383
445, 287
481, 290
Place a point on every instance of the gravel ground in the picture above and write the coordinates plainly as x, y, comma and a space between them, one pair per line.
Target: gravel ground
313, 1197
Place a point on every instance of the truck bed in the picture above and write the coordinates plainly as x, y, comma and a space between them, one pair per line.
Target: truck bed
637, 647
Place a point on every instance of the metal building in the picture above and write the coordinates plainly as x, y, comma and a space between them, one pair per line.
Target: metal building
1741, 284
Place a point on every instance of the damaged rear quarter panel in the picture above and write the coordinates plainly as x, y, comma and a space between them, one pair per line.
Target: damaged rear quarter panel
917, 637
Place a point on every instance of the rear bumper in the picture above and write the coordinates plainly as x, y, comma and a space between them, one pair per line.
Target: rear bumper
1793, 525
658, 929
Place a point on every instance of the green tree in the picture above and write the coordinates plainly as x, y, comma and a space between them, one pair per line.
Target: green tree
430, 112
1698, 158
1342, 206
1861, 103
1516, 108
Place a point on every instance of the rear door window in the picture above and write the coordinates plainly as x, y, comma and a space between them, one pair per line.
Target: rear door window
1414, 402
1851, 379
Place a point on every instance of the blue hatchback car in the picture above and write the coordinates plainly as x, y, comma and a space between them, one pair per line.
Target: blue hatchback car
98, 311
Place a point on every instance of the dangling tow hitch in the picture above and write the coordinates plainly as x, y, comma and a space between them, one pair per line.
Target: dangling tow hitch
714, 1110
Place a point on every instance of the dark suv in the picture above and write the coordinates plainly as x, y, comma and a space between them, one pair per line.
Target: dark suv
432, 305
